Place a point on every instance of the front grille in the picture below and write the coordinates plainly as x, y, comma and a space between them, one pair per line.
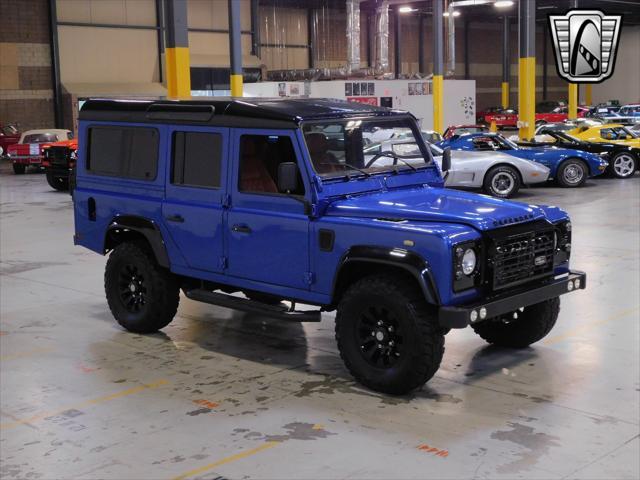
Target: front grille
520, 257
59, 155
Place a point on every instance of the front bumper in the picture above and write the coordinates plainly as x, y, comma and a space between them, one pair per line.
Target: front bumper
459, 316
25, 159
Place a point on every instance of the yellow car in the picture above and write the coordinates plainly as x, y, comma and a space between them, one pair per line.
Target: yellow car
608, 133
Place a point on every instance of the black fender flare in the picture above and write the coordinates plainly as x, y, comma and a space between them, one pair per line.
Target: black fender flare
144, 226
410, 261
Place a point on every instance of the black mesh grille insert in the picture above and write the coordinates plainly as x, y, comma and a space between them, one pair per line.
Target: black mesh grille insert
522, 257
59, 155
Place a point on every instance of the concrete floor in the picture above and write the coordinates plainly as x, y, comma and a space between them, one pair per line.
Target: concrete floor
221, 394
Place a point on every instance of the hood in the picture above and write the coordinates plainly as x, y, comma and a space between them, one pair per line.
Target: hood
437, 205
72, 144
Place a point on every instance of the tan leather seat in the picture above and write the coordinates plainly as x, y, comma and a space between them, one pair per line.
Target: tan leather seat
254, 176
318, 146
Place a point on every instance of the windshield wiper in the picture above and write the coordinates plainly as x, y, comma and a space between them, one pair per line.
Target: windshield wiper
391, 155
348, 165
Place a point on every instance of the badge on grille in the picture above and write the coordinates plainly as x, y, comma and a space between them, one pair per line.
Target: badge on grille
585, 44
541, 260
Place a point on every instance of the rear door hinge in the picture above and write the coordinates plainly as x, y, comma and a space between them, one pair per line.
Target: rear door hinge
226, 200
222, 263
309, 278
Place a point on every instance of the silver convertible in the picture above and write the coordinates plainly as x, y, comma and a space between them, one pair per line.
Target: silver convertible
496, 173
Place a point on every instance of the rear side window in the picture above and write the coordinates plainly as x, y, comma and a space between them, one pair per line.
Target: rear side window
197, 159
129, 152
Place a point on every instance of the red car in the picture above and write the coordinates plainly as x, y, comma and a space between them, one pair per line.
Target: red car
59, 163
462, 129
8, 136
558, 114
28, 151
504, 117
509, 117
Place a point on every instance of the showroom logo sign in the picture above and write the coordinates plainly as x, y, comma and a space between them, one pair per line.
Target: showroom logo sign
585, 44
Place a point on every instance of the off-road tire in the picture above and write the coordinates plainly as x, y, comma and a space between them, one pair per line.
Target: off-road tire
160, 287
57, 182
631, 164
263, 298
419, 358
561, 177
530, 326
19, 168
501, 170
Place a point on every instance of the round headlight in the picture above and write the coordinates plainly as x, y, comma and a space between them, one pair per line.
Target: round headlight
468, 261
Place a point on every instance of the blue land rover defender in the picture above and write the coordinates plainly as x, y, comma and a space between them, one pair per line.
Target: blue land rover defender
278, 200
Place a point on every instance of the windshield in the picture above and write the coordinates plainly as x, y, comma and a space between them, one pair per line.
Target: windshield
493, 142
341, 148
40, 138
617, 133
9, 130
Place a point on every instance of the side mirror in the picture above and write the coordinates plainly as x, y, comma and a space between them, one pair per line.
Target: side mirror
288, 177
446, 160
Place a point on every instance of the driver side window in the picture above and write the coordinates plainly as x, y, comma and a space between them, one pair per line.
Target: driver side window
260, 156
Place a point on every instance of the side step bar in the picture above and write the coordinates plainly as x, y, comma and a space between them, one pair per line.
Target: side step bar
274, 311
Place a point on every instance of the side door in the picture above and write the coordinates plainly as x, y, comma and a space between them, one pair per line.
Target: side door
193, 209
267, 231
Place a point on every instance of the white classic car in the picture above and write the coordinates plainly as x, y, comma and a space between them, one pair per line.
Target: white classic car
498, 174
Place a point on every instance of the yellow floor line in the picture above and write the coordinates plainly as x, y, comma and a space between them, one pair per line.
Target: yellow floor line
232, 458
26, 353
588, 326
86, 403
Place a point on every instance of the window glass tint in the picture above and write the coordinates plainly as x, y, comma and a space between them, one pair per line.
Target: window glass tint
197, 159
40, 138
260, 156
130, 152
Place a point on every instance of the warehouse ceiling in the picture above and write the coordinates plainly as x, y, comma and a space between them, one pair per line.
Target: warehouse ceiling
630, 9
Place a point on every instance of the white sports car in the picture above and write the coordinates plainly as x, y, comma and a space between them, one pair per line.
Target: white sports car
497, 174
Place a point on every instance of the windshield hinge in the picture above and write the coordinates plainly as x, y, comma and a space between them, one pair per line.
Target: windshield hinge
309, 278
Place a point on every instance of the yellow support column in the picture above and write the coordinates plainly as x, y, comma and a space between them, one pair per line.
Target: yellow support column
527, 97
588, 97
178, 72
438, 65
527, 69
235, 49
178, 68
505, 94
573, 101
438, 83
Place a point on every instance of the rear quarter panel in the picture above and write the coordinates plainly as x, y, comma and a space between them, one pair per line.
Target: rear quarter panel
114, 196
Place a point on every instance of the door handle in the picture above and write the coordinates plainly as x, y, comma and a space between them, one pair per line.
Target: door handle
175, 218
241, 228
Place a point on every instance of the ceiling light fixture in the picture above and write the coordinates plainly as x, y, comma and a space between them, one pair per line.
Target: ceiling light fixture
406, 9
503, 4
456, 13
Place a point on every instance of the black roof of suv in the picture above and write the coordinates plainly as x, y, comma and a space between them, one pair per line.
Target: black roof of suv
255, 112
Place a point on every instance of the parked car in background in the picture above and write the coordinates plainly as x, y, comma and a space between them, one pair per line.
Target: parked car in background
497, 174
28, 151
558, 114
59, 162
570, 168
9, 135
462, 129
607, 133
502, 117
630, 114
623, 160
